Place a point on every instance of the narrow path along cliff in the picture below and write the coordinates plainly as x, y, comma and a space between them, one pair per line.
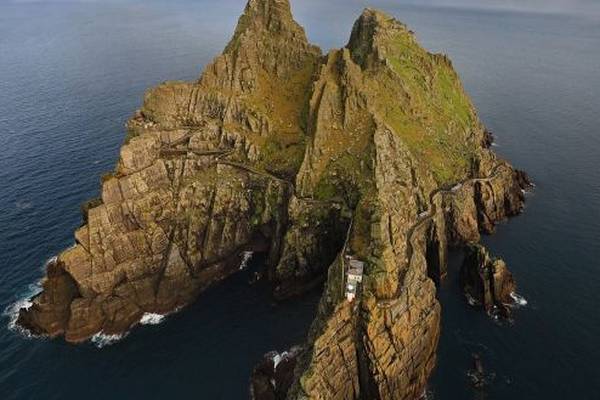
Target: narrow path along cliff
427, 216
303, 156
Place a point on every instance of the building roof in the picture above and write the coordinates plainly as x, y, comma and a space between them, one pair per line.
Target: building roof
356, 267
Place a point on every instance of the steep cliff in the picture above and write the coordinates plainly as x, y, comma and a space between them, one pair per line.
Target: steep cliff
373, 150
198, 181
393, 134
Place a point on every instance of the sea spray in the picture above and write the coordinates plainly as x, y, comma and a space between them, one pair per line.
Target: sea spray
152, 319
49, 261
519, 301
101, 339
25, 302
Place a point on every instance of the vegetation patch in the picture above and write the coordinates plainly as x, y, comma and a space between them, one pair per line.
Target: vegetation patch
420, 96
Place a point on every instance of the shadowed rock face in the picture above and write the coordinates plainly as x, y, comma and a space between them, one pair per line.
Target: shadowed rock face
373, 149
273, 376
487, 281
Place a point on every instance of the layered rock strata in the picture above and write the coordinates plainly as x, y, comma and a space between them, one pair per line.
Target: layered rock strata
372, 150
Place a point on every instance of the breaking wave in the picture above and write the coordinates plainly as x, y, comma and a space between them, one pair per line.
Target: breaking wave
101, 339
49, 261
152, 319
12, 311
519, 301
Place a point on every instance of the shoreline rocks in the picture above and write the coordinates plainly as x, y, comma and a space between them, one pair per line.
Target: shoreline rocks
486, 281
273, 376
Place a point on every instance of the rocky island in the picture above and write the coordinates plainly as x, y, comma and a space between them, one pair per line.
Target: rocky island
372, 151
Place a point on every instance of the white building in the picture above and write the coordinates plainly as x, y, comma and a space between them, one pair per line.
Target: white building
354, 275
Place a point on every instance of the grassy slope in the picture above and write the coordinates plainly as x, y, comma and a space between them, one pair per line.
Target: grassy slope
420, 96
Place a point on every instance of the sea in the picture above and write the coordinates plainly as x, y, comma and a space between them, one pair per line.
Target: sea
72, 72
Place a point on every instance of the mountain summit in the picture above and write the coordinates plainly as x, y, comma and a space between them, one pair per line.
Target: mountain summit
273, 17
370, 158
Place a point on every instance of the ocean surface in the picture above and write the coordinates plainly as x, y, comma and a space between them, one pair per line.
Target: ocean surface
71, 73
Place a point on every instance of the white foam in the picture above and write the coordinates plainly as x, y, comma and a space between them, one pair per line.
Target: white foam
12, 311
247, 256
278, 358
152, 319
49, 261
101, 339
25, 302
519, 300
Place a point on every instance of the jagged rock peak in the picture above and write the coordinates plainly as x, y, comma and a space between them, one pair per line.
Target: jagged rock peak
272, 16
368, 28
267, 42
373, 16
269, 10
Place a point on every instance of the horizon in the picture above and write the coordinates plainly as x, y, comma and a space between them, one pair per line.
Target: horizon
585, 8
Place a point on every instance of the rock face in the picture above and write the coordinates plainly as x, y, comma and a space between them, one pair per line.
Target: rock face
487, 281
273, 376
195, 185
373, 150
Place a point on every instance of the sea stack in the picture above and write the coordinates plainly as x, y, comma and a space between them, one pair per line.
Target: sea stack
372, 152
486, 281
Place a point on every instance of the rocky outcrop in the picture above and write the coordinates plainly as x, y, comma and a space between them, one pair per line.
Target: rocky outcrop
272, 377
486, 281
373, 150
190, 191
488, 139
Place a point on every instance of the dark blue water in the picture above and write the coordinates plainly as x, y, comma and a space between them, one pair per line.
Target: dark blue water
70, 75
